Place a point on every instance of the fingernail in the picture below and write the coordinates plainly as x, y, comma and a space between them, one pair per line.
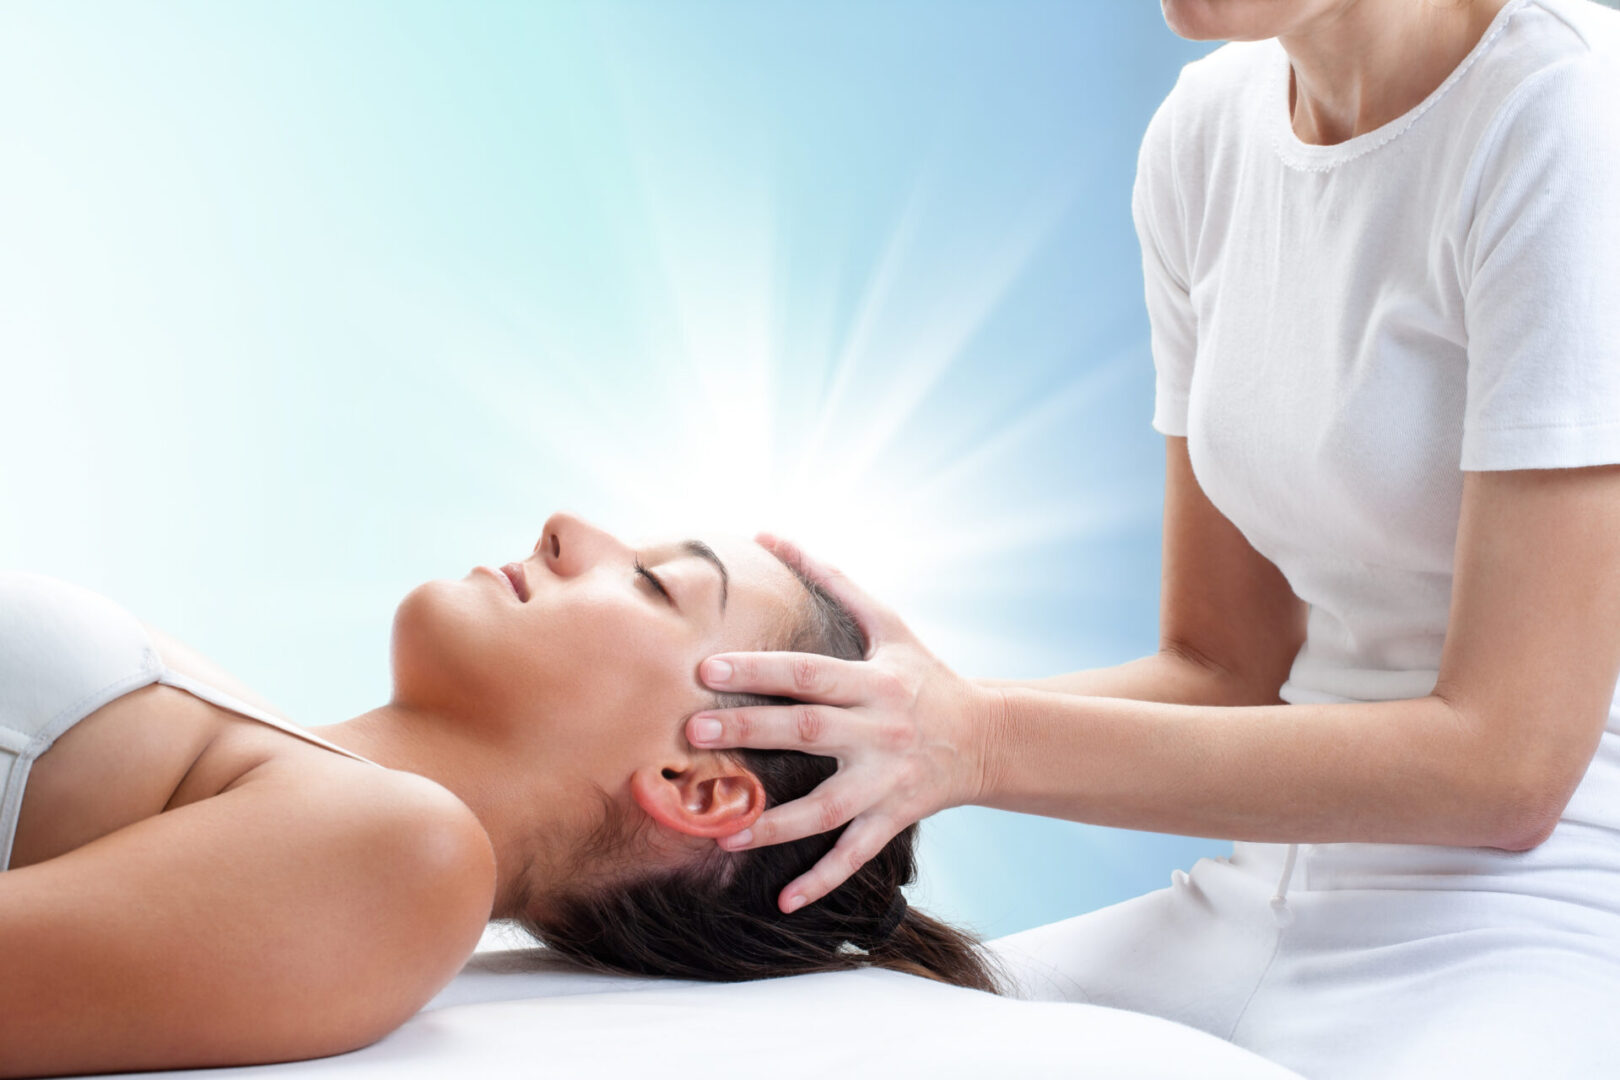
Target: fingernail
794, 904
737, 840
706, 729
717, 671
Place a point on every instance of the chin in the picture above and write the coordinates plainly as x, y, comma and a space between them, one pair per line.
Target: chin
440, 641
1226, 20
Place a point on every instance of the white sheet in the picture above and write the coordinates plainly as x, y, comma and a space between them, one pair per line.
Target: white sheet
513, 1013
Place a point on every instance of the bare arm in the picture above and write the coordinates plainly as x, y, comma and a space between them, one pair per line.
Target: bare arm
1491, 758
1229, 624
263, 924
1403, 771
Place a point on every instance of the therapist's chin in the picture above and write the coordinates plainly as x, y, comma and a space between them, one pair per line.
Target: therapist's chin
1224, 20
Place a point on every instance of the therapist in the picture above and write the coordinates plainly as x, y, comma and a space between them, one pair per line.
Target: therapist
1381, 244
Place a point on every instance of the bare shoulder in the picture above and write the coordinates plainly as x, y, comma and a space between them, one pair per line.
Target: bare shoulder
404, 808
422, 825
413, 858
275, 921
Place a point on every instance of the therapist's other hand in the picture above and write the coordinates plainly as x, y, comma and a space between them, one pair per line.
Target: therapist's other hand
907, 733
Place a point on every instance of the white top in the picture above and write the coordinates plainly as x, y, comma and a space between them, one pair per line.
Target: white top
66, 651
1339, 330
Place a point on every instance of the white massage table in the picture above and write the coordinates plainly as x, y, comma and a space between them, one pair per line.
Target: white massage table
513, 1013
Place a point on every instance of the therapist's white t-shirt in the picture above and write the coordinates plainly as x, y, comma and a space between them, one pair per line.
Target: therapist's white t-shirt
1340, 330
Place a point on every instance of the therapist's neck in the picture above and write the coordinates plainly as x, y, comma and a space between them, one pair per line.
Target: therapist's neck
1360, 64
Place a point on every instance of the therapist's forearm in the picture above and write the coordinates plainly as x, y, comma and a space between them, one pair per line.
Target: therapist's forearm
1408, 771
1165, 676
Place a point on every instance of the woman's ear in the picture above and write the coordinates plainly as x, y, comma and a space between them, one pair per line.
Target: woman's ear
713, 797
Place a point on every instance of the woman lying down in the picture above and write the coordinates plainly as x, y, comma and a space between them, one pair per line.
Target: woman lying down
192, 880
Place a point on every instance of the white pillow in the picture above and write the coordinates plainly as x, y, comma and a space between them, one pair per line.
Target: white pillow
517, 1013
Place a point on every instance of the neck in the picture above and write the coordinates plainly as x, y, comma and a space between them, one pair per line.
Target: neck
473, 767
1367, 62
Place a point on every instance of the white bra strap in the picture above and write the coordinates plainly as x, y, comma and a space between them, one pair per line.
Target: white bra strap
236, 705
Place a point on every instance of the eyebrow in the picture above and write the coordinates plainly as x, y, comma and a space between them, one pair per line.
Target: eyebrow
704, 551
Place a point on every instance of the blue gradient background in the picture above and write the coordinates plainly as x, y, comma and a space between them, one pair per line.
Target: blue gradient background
302, 304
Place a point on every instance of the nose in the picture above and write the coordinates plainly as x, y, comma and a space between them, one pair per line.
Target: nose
569, 545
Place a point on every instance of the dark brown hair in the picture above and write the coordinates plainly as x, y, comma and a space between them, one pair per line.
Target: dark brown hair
717, 918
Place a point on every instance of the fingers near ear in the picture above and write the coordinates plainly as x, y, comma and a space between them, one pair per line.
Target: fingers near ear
834, 801
712, 801
863, 839
806, 676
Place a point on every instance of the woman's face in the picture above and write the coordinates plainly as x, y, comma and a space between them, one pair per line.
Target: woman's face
590, 673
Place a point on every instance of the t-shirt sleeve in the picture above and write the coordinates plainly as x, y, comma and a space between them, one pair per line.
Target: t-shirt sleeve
1161, 231
1541, 277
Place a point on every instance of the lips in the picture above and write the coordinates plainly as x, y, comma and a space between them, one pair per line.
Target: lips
514, 574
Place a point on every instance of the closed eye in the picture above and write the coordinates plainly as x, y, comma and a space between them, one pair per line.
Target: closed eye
652, 580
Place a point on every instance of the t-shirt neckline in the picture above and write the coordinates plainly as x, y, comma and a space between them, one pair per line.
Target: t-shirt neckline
1314, 158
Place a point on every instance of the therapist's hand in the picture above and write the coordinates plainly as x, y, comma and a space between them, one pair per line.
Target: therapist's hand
908, 734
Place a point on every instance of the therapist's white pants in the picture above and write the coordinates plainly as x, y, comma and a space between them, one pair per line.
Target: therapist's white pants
1358, 970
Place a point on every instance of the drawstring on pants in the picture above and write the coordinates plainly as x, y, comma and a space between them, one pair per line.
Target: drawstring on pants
1279, 900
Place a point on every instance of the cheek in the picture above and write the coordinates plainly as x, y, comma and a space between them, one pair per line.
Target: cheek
602, 670
605, 663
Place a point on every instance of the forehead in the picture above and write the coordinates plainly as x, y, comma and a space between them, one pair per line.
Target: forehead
762, 594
